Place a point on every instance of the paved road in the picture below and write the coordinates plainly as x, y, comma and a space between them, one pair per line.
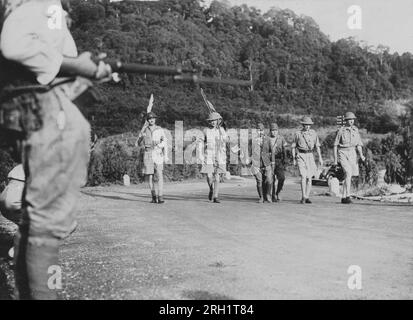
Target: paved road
190, 248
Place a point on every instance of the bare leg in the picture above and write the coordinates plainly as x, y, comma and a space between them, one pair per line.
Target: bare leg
160, 182
151, 187
347, 185
303, 187
216, 185
210, 182
308, 188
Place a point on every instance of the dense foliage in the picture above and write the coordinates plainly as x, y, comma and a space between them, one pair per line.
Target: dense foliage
295, 68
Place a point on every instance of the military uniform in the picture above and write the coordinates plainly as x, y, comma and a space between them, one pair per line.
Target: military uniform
154, 142
215, 154
277, 148
347, 139
261, 166
305, 142
56, 154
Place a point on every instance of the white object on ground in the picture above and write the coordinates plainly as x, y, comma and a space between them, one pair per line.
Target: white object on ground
126, 180
334, 186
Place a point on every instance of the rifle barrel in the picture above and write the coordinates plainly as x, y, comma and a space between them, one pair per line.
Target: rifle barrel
196, 78
177, 72
118, 66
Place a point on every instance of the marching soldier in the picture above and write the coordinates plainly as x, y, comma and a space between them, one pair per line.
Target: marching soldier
347, 141
278, 156
214, 155
153, 139
261, 165
56, 139
303, 146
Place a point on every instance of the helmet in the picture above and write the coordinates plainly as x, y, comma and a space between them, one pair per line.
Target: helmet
307, 120
349, 115
214, 116
151, 115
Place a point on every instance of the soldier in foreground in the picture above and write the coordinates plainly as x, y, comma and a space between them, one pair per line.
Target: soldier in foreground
261, 164
154, 141
56, 144
303, 146
345, 145
213, 154
278, 158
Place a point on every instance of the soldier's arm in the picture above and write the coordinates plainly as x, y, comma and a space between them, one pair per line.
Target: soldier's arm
360, 146
335, 146
83, 66
294, 147
318, 147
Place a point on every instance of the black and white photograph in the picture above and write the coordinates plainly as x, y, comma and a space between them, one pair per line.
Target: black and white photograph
224, 151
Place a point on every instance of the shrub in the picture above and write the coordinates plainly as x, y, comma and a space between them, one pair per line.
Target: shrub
6, 164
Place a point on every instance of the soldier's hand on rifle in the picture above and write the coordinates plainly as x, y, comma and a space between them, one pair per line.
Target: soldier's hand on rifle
88, 68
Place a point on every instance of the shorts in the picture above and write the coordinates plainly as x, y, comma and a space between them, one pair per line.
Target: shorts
152, 161
306, 165
348, 159
214, 168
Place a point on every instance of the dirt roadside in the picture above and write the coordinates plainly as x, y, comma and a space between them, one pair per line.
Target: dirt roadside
190, 248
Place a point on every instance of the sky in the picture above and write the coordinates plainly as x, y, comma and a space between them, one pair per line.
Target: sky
386, 22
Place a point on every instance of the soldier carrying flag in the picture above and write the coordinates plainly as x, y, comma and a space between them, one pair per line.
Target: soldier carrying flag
213, 153
154, 142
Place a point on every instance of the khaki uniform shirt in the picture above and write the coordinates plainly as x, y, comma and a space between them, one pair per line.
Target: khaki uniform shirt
306, 140
348, 137
214, 146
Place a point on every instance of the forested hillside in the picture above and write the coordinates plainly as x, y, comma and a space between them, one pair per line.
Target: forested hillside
295, 68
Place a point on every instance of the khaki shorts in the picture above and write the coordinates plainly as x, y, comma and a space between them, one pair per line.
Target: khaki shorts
214, 168
348, 159
152, 163
306, 165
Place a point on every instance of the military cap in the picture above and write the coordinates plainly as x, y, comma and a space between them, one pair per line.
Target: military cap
349, 115
260, 126
151, 115
307, 120
274, 126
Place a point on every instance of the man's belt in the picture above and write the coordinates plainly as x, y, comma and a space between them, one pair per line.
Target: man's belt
305, 151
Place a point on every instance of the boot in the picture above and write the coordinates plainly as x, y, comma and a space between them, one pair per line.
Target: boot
211, 192
153, 197
161, 200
